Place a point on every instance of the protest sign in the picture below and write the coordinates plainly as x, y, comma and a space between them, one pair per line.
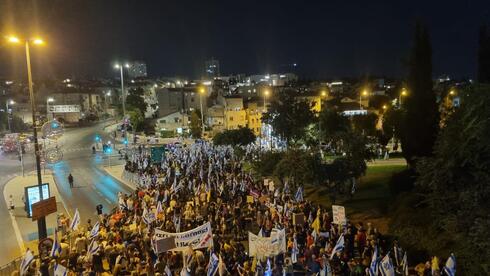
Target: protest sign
199, 237
338, 213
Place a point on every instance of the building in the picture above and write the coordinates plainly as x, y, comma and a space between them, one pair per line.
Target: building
235, 114
215, 118
175, 122
137, 70
212, 68
254, 117
185, 99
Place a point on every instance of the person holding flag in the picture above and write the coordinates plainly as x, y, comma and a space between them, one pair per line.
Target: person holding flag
212, 265
386, 266
75, 221
299, 194
56, 248
60, 270
450, 266
339, 246
373, 267
26, 262
95, 230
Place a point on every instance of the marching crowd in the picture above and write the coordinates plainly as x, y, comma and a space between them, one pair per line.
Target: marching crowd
202, 183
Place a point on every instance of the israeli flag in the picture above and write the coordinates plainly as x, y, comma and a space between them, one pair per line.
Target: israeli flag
168, 271
95, 230
405, 264
386, 266
260, 234
93, 248
159, 207
450, 267
294, 251
339, 246
213, 265
75, 221
56, 249
373, 268
148, 217
26, 261
60, 270
299, 194
268, 269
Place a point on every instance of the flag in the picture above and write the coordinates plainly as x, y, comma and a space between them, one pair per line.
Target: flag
221, 267
159, 207
148, 217
95, 230
60, 270
450, 266
326, 269
260, 234
213, 265
404, 265
93, 248
26, 261
268, 269
168, 271
176, 221
299, 194
294, 251
316, 225
339, 246
386, 266
75, 221
373, 268
56, 249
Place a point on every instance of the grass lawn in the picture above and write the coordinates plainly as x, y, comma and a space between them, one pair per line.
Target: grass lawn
372, 197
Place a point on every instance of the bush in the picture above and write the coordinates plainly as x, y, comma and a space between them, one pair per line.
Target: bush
266, 165
242, 136
402, 181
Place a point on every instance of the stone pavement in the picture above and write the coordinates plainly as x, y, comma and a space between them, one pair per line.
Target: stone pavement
25, 228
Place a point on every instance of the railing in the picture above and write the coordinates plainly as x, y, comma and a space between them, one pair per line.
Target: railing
7, 269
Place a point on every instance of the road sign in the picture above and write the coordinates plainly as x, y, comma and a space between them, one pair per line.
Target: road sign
33, 195
43, 208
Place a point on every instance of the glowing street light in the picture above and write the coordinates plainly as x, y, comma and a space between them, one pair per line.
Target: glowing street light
402, 94
41, 222
201, 91
385, 107
363, 93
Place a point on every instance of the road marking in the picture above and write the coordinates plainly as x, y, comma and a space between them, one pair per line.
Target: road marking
18, 236
108, 201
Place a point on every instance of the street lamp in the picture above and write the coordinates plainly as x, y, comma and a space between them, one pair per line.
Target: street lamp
41, 222
363, 93
266, 94
123, 95
201, 92
402, 94
48, 100
323, 94
7, 110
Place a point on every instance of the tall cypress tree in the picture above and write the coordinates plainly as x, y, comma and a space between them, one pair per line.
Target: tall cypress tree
484, 55
421, 116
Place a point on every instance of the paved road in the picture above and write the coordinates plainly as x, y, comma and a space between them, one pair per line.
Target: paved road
92, 185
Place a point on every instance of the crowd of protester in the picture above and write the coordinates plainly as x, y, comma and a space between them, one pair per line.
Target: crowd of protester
203, 183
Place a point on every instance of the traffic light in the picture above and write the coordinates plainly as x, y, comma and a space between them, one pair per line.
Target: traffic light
125, 141
97, 138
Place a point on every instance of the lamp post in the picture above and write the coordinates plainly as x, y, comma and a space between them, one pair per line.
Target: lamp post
41, 221
49, 100
123, 95
402, 94
323, 94
363, 93
266, 95
201, 92
7, 110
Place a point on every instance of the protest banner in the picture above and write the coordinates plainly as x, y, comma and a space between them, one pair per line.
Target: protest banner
298, 219
164, 244
338, 213
267, 246
250, 199
199, 237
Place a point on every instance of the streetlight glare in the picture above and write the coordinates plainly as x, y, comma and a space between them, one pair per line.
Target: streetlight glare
11, 102
364, 93
50, 100
201, 90
13, 39
117, 66
266, 92
38, 41
324, 93
452, 92
126, 65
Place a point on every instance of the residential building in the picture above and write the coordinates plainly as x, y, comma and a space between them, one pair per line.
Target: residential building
185, 99
254, 117
174, 122
235, 114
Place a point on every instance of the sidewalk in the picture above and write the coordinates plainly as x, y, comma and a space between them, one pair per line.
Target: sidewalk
117, 172
25, 228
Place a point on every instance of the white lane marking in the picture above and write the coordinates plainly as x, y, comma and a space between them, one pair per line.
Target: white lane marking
18, 236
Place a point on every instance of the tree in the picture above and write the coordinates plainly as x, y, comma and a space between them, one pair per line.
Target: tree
242, 136
289, 116
196, 124
484, 55
392, 123
365, 124
455, 182
136, 118
300, 167
421, 120
135, 99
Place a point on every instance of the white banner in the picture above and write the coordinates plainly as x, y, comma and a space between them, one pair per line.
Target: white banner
74, 108
199, 237
338, 214
270, 246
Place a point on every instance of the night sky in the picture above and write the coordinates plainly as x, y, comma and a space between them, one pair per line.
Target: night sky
327, 39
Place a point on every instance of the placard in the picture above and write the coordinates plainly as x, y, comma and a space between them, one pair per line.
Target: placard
33, 195
44, 207
338, 213
199, 237
250, 199
299, 219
